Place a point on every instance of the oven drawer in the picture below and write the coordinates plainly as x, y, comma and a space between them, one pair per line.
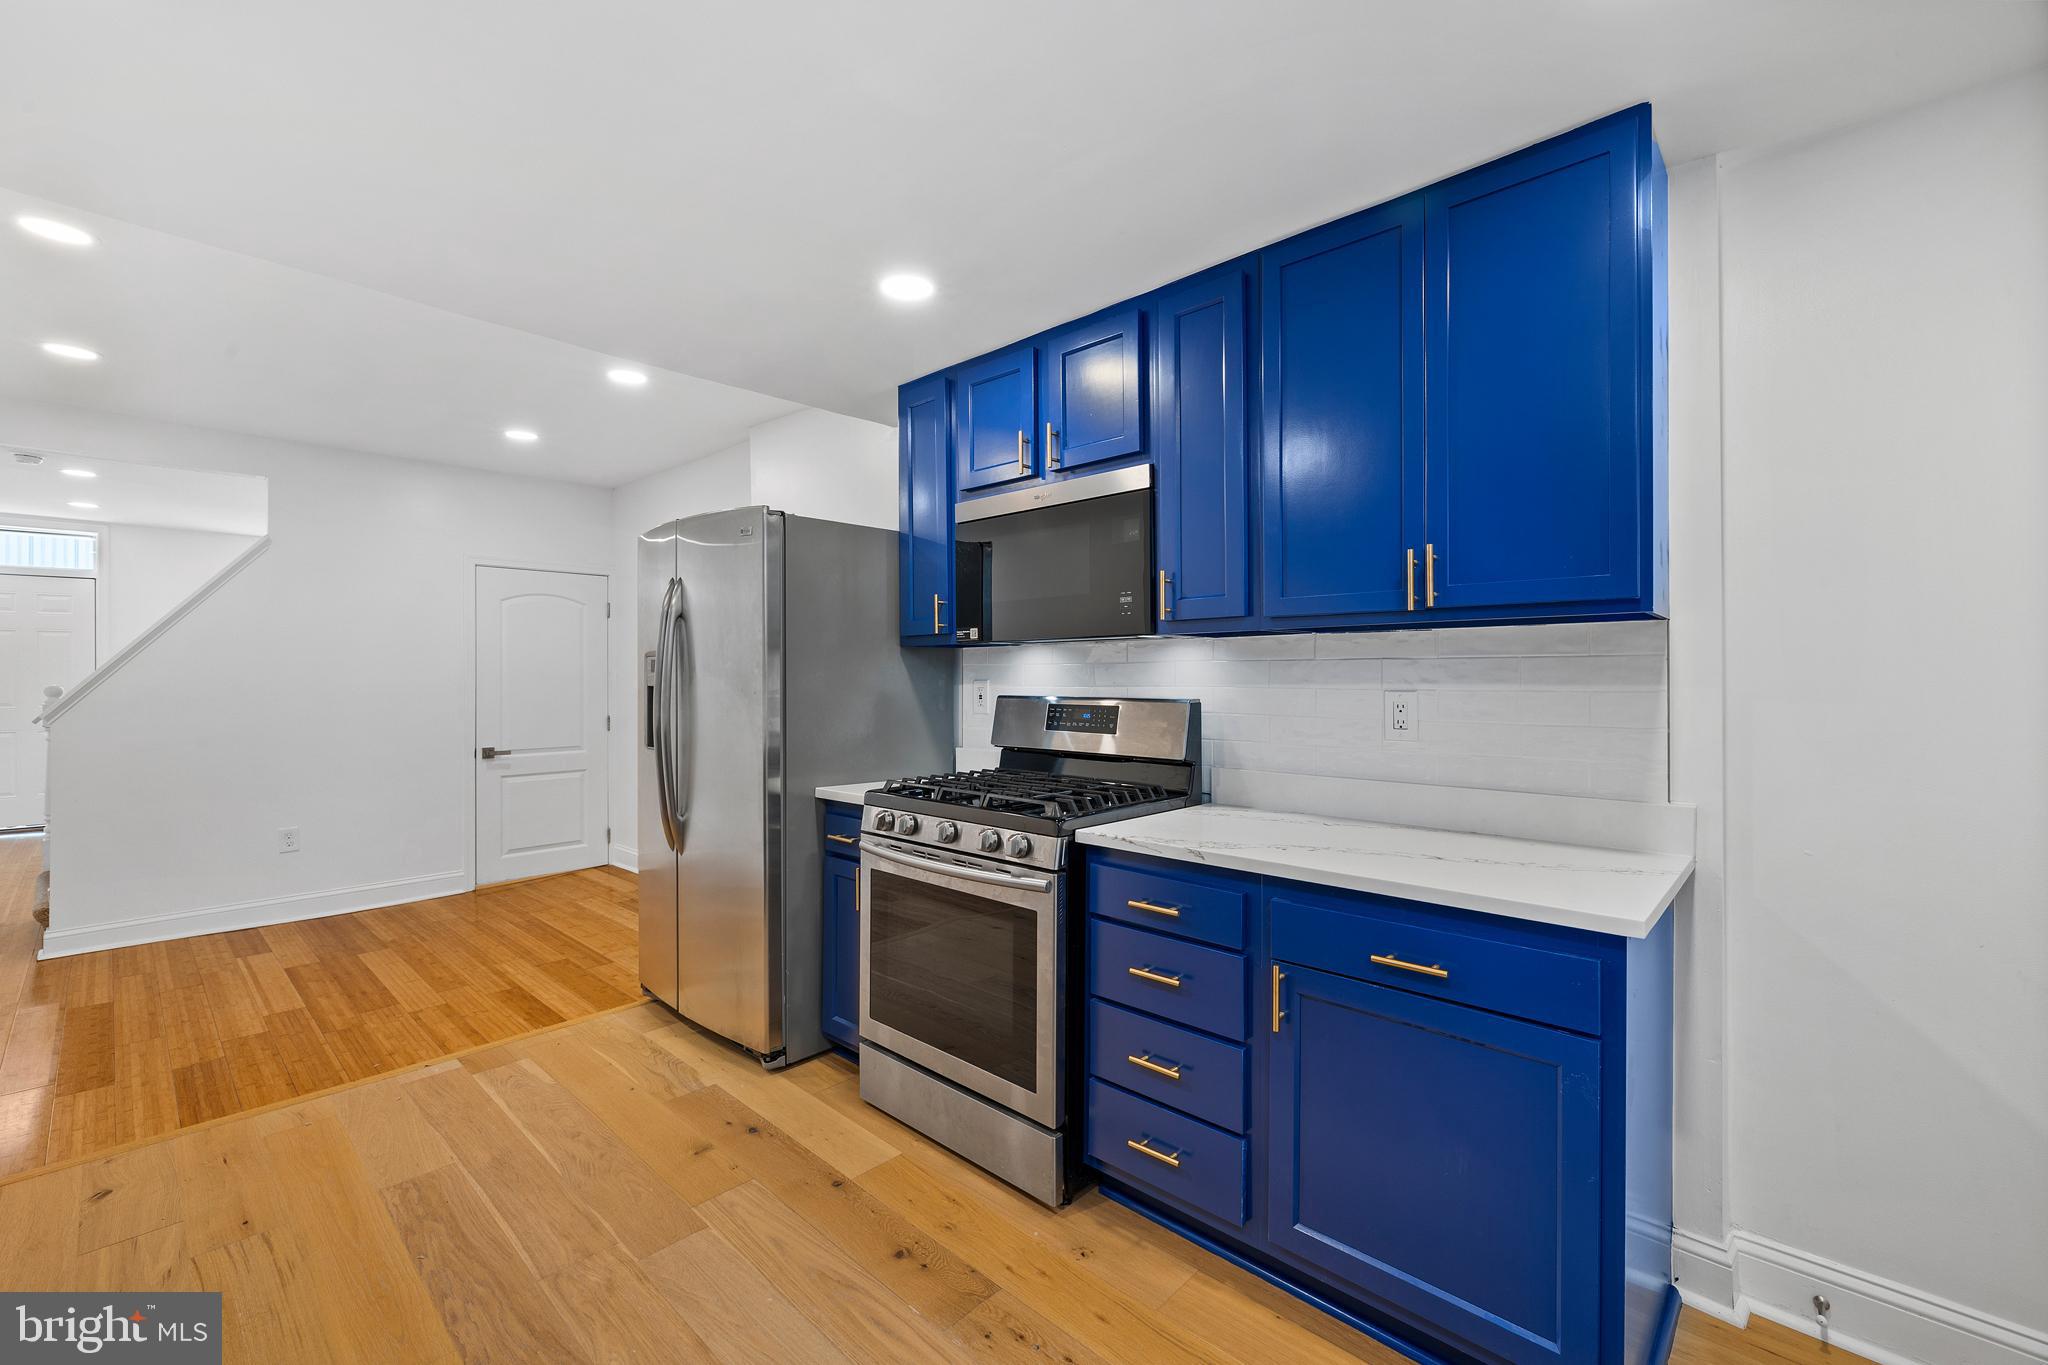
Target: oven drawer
1138, 1052
1186, 982
1193, 905
1354, 937
1182, 1158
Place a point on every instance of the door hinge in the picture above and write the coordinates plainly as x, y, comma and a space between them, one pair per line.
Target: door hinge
607, 724
607, 611
607, 833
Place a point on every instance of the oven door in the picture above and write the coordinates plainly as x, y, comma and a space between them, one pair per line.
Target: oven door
962, 966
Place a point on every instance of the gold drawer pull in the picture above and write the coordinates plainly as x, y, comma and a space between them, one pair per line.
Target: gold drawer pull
1172, 1073
1147, 974
1386, 961
842, 838
1171, 912
1139, 1145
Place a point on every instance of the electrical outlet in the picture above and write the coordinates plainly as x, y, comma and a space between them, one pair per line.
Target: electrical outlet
981, 696
1404, 718
288, 839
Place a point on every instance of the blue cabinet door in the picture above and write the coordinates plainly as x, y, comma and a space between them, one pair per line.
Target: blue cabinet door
1441, 1159
924, 512
1539, 324
839, 1013
1094, 391
1199, 457
1341, 426
995, 418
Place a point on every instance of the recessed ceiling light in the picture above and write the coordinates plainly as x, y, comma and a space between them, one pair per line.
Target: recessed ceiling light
84, 506
521, 435
64, 350
625, 378
50, 230
79, 473
906, 288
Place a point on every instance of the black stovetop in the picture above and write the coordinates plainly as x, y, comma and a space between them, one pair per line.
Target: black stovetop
1021, 798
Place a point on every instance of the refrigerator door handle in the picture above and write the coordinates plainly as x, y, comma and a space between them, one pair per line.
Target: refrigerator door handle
680, 788
660, 723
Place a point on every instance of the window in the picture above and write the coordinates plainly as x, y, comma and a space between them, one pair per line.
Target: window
66, 551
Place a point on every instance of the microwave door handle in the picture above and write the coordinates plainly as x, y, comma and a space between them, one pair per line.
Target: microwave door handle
659, 727
869, 847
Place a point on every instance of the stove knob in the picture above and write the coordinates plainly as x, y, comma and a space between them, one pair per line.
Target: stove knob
1020, 847
947, 831
991, 842
906, 824
885, 819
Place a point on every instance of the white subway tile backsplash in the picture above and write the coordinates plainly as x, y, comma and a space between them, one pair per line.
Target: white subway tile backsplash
1568, 710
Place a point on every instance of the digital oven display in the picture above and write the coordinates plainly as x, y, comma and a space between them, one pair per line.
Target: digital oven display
1092, 720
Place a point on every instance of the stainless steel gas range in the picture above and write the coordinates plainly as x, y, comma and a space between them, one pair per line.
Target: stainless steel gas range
971, 984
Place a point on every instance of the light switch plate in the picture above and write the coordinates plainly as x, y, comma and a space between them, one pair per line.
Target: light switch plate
980, 696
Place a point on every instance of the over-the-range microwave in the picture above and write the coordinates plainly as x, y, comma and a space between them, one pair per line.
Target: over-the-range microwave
1063, 561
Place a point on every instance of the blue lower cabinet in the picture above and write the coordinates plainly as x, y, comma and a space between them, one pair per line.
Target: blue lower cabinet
1191, 1163
840, 1010
1186, 982
1441, 1158
1190, 1071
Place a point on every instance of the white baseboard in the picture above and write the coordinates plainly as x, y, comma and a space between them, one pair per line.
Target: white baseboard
1891, 1323
219, 919
628, 858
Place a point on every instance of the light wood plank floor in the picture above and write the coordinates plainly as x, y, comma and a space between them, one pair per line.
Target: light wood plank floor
109, 1048
624, 1188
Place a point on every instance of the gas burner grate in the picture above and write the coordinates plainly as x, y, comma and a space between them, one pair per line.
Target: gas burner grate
1039, 794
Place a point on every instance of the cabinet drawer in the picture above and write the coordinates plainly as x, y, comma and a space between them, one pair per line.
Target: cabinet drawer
1196, 1165
1185, 982
1138, 1052
842, 829
1195, 906
1359, 939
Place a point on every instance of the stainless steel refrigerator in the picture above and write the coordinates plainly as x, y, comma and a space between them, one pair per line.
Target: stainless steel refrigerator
769, 665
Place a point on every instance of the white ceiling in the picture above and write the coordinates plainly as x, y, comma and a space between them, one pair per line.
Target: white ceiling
132, 494
715, 188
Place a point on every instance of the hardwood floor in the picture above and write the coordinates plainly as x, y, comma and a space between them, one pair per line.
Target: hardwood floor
624, 1188
109, 1048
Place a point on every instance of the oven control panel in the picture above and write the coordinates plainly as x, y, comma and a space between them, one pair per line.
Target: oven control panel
961, 842
1094, 718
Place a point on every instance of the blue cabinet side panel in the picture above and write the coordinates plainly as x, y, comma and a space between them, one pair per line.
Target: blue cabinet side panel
1644, 1185
1341, 413
840, 1004
1200, 447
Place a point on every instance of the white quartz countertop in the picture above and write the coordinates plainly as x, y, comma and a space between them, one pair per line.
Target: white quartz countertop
1604, 890
849, 792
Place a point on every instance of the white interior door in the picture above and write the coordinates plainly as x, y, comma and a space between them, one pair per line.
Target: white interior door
541, 792
46, 638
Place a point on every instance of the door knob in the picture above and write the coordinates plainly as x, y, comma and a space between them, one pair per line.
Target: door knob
487, 752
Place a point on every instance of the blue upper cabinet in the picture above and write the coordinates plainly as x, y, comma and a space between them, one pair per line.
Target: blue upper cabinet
1199, 448
995, 418
1544, 404
1341, 440
924, 512
1094, 391
1443, 1159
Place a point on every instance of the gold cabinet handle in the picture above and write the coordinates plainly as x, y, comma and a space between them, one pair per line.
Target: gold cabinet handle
1411, 580
1139, 1145
1171, 912
1429, 575
1278, 1014
842, 838
1052, 450
1165, 601
937, 601
1386, 960
1023, 459
1147, 974
1172, 1073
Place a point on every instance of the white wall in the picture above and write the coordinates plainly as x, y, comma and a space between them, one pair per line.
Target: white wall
330, 686
1885, 345
810, 463
147, 570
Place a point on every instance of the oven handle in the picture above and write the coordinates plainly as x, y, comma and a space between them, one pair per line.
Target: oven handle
972, 874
